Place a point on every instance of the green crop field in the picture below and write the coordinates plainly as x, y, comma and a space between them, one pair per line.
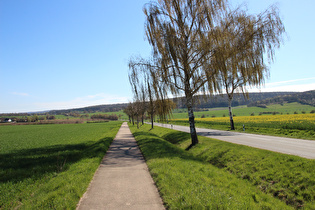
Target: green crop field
221, 175
120, 114
288, 108
50, 166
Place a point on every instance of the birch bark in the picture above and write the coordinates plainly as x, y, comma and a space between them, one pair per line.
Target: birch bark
230, 113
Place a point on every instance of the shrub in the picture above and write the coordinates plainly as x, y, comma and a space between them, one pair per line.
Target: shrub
262, 106
50, 117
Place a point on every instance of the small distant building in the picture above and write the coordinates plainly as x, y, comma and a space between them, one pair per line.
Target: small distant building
7, 120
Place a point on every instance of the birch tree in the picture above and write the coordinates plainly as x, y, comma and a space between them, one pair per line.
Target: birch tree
129, 110
143, 79
140, 78
243, 43
175, 30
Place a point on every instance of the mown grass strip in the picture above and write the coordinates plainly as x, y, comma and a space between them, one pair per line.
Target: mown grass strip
286, 177
50, 166
187, 181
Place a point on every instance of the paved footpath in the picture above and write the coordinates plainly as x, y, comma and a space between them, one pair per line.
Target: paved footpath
122, 181
298, 147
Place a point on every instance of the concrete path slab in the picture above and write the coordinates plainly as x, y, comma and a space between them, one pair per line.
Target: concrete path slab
122, 180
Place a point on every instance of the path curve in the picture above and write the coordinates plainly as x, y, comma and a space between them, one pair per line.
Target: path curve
298, 147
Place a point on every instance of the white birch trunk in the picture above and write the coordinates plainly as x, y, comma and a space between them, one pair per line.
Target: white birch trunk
231, 115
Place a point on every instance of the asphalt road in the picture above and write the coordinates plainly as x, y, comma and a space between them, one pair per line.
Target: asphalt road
298, 147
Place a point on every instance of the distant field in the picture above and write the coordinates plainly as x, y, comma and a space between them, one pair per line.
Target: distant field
50, 166
293, 125
81, 117
288, 108
120, 114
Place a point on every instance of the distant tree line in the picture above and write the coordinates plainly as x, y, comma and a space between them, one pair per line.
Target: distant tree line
221, 100
29, 118
91, 109
306, 98
14, 114
104, 117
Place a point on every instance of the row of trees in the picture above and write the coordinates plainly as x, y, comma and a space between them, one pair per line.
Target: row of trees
31, 118
204, 47
140, 110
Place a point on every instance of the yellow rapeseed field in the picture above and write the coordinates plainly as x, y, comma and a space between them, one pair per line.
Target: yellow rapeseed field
294, 121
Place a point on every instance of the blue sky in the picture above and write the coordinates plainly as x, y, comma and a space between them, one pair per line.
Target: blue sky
67, 54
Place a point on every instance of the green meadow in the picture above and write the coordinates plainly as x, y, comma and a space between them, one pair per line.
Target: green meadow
220, 175
50, 166
287, 108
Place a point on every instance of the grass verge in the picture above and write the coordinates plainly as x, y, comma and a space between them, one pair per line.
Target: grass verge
295, 126
220, 175
50, 166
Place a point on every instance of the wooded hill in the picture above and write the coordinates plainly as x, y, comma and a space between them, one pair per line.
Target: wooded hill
254, 99
92, 109
222, 100
306, 98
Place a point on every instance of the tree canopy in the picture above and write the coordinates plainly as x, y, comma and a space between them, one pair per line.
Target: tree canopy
241, 44
203, 47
